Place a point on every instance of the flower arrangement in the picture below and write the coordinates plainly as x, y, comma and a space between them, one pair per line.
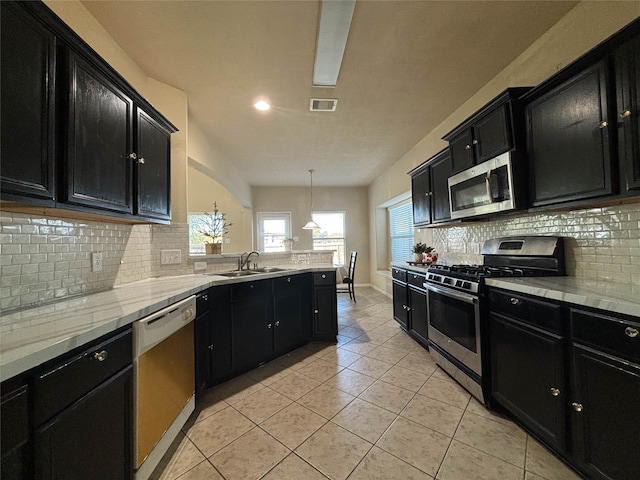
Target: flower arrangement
214, 225
424, 254
422, 248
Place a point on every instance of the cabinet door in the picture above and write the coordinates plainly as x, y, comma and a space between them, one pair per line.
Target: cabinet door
419, 320
251, 331
461, 150
90, 439
14, 444
99, 133
400, 301
421, 197
288, 322
492, 134
568, 140
440, 173
221, 366
528, 376
152, 168
202, 350
325, 316
628, 113
28, 98
607, 392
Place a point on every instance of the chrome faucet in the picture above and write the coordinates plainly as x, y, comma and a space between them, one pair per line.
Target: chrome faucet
244, 261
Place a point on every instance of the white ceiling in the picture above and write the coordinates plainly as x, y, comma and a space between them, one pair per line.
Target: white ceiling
407, 66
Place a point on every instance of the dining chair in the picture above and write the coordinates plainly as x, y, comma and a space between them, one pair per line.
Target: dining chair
348, 285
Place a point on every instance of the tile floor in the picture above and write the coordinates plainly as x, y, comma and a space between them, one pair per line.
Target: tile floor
374, 406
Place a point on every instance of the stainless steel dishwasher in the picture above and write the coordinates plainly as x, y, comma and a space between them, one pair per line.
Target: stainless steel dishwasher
164, 394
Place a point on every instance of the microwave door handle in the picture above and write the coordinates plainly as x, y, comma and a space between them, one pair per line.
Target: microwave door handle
452, 293
488, 184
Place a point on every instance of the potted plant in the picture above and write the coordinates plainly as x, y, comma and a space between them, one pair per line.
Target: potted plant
214, 226
422, 253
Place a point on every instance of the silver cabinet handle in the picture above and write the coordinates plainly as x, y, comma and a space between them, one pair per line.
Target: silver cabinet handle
625, 114
515, 301
100, 356
324, 276
205, 297
555, 392
289, 280
315, 311
467, 147
132, 156
278, 323
603, 124
141, 160
631, 332
210, 347
408, 309
475, 142
577, 407
269, 325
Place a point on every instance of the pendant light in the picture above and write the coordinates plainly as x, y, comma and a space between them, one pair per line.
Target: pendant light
311, 225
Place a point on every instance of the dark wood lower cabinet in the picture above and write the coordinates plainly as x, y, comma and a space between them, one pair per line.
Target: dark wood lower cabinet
292, 307
419, 318
14, 444
325, 307
400, 312
91, 438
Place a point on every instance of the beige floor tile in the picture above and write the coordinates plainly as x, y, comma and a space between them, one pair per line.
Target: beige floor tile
326, 400
507, 442
370, 366
420, 446
269, 373
476, 407
237, 389
293, 425
464, 462
320, 370
262, 404
405, 378
294, 468
321, 349
446, 391
341, 357
386, 354
203, 471
532, 476
361, 347
350, 381
250, 456
365, 419
401, 341
377, 336
387, 396
208, 404
434, 414
351, 331
184, 457
334, 451
417, 362
380, 465
218, 430
544, 464
294, 385
342, 340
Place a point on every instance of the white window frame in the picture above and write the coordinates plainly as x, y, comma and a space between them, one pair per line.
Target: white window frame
400, 231
261, 216
339, 256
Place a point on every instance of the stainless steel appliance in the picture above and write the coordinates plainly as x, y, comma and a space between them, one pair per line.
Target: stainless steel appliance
485, 188
164, 394
456, 304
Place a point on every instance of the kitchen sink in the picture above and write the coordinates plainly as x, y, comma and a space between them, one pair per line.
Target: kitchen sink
235, 273
268, 270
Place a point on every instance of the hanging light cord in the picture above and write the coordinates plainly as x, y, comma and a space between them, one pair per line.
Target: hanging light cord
311, 173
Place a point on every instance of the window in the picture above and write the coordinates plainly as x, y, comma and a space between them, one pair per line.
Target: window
273, 229
196, 239
401, 231
330, 235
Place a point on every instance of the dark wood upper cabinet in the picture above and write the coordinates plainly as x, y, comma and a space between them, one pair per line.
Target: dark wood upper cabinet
496, 128
430, 190
99, 141
28, 50
627, 61
568, 139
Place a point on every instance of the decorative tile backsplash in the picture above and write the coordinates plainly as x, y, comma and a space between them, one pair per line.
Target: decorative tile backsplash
601, 243
45, 258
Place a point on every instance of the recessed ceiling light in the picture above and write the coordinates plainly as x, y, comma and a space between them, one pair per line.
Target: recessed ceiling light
262, 105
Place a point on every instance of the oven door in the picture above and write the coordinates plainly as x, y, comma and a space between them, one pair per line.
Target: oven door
454, 324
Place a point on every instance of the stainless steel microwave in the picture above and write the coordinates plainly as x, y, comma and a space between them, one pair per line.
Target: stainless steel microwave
482, 189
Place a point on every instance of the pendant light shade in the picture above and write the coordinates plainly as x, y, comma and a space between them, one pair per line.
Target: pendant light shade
311, 225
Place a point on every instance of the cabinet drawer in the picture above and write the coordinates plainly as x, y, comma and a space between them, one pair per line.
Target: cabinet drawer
547, 316
613, 335
71, 377
290, 282
399, 274
416, 279
241, 291
324, 278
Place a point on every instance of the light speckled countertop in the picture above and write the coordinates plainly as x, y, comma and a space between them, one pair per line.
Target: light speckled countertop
32, 336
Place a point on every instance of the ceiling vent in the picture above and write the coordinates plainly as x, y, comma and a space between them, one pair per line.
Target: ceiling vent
323, 104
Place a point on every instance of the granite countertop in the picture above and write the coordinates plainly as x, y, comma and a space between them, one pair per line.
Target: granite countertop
601, 294
32, 336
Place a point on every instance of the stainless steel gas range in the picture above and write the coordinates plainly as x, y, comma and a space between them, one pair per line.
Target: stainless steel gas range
457, 307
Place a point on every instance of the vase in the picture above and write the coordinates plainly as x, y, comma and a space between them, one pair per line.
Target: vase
213, 248
418, 257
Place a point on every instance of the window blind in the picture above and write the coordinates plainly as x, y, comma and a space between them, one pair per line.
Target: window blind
401, 231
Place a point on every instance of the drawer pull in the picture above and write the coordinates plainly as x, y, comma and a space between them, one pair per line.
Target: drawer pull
100, 356
577, 407
631, 332
278, 323
324, 276
315, 311
268, 325
555, 392
289, 280
515, 301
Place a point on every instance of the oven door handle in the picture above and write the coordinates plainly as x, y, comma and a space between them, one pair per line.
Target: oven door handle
452, 293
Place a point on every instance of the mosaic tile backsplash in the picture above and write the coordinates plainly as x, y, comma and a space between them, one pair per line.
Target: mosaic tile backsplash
44, 259
602, 243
